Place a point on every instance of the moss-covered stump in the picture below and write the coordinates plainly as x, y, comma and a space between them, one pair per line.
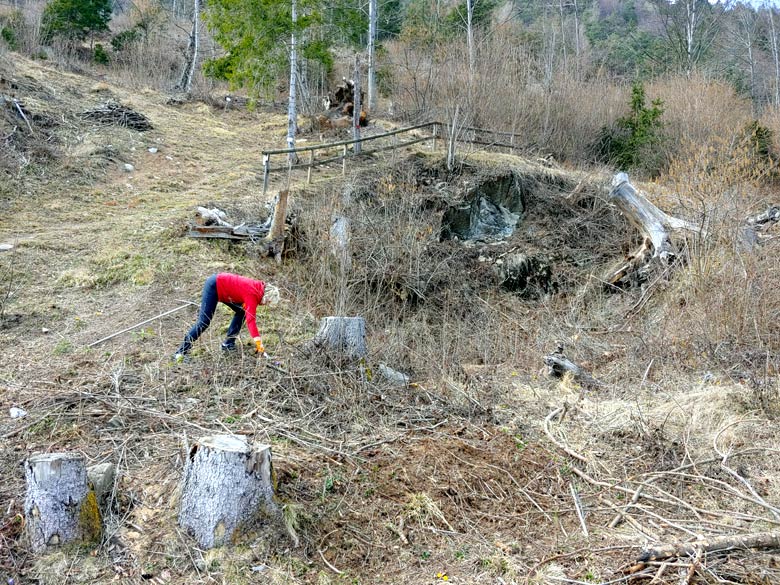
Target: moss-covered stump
227, 486
59, 507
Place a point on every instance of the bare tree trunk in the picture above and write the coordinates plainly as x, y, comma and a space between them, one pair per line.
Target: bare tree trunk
470, 34
775, 52
371, 56
577, 44
185, 84
59, 507
356, 107
292, 112
226, 486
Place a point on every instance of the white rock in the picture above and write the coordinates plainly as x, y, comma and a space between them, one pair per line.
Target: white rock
17, 412
393, 376
6, 247
129, 168
153, 150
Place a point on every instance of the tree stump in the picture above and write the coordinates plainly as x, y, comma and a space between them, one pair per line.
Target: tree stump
227, 486
59, 508
344, 336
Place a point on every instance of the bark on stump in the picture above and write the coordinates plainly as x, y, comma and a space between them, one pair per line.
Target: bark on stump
344, 336
59, 507
227, 485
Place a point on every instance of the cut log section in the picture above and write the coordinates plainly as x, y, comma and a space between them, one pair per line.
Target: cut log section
227, 486
59, 507
342, 336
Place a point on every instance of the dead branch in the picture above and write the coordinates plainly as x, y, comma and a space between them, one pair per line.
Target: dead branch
557, 443
759, 540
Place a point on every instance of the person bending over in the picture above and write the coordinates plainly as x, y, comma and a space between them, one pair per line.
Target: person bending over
241, 294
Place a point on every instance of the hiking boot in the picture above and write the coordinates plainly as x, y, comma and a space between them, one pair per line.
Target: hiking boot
178, 357
228, 346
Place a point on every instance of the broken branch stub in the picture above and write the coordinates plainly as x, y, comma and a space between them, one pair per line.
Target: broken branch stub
59, 506
227, 485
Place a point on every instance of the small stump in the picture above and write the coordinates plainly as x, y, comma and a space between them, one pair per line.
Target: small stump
227, 485
59, 508
344, 336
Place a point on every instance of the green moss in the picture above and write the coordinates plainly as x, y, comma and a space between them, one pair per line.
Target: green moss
89, 518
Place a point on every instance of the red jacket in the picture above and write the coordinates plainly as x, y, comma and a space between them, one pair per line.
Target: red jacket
240, 290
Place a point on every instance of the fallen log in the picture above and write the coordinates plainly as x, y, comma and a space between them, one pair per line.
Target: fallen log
759, 540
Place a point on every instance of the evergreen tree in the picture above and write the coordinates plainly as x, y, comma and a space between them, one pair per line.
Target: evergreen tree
75, 19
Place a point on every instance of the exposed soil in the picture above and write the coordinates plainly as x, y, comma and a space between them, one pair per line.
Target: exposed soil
463, 474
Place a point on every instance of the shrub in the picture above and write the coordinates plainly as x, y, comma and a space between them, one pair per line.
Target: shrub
627, 143
123, 40
100, 55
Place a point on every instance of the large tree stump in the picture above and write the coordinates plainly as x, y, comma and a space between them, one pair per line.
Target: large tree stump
227, 486
59, 508
344, 336
654, 224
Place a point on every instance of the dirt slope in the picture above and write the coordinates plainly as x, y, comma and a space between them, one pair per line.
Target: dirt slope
451, 479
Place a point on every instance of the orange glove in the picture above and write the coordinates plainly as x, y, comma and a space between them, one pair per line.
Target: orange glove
259, 346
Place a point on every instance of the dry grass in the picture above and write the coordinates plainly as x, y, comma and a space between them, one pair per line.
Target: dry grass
453, 475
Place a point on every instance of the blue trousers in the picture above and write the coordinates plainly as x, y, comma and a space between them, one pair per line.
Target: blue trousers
208, 305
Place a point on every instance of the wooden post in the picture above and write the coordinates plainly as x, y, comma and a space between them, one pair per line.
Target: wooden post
275, 237
311, 164
433, 140
227, 486
345, 336
59, 507
344, 161
356, 107
266, 171
511, 144
395, 147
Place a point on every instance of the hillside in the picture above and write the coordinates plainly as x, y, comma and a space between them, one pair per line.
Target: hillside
482, 470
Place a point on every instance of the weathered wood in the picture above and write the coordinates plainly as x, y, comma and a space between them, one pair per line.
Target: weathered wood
758, 540
275, 237
655, 225
558, 365
227, 486
344, 336
59, 507
647, 218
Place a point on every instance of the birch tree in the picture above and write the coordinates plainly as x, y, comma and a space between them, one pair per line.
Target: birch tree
371, 81
185, 84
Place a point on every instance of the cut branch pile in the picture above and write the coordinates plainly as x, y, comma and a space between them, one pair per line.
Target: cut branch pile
112, 113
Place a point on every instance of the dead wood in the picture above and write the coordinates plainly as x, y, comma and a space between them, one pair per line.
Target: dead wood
112, 113
655, 225
558, 365
759, 540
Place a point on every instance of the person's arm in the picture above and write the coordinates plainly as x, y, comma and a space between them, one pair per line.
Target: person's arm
250, 314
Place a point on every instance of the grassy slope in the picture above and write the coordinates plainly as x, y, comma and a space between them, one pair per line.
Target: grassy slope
452, 477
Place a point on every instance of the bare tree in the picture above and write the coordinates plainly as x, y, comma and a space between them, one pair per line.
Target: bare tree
773, 37
691, 27
371, 81
185, 84
292, 112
